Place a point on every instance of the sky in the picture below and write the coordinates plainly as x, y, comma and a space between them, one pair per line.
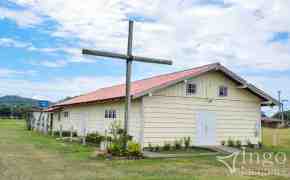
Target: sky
41, 42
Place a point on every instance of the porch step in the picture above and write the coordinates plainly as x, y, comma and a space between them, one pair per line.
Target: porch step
222, 149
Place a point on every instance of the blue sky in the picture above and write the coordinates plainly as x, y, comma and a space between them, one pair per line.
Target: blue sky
41, 41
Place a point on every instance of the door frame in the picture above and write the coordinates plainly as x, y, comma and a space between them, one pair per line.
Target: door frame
206, 121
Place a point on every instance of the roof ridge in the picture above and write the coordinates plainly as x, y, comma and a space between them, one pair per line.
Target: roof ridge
179, 71
146, 79
166, 74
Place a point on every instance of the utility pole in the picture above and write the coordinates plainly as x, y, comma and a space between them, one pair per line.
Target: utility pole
283, 109
280, 104
11, 112
275, 134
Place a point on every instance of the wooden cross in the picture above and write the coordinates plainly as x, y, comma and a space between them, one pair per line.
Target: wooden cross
129, 59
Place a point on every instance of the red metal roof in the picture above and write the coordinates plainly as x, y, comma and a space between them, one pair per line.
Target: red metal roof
137, 87
51, 109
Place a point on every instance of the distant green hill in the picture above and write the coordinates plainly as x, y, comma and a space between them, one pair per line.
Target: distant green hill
11, 100
16, 106
286, 115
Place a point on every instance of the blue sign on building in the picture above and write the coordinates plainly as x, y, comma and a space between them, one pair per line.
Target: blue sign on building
43, 104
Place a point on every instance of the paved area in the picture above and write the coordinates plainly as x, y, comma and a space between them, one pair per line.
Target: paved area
216, 150
149, 154
223, 149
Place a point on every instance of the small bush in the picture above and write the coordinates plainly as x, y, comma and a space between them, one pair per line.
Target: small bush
260, 144
238, 143
118, 141
178, 144
250, 144
108, 138
95, 138
115, 149
64, 134
134, 149
167, 146
150, 147
186, 141
157, 148
230, 143
223, 142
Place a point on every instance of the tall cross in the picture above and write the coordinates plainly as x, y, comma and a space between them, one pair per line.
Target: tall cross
129, 59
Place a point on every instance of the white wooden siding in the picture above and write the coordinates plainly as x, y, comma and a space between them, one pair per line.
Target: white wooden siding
169, 114
207, 87
163, 123
96, 121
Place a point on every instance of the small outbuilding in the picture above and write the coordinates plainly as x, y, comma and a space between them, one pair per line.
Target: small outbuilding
272, 122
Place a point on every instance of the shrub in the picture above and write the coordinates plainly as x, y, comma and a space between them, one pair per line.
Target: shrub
260, 144
157, 148
134, 149
108, 139
250, 144
119, 136
178, 144
118, 140
230, 143
167, 146
223, 142
238, 143
150, 147
186, 141
95, 138
115, 149
64, 134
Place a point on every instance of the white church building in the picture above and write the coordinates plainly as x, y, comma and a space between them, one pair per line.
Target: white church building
208, 103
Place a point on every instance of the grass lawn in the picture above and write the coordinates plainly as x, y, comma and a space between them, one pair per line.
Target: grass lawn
27, 155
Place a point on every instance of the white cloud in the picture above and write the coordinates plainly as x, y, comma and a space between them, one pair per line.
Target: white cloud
61, 63
74, 54
22, 18
8, 73
51, 63
190, 32
14, 43
9, 42
56, 89
271, 85
81, 60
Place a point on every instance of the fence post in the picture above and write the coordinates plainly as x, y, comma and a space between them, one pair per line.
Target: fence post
71, 133
60, 131
84, 137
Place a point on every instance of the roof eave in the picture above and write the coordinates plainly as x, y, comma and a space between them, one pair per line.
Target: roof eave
269, 101
90, 102
154, 89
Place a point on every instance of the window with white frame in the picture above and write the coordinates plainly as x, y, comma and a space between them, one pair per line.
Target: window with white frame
58, 116
106, 113
110, 114
190, 89
66, 114
223, 91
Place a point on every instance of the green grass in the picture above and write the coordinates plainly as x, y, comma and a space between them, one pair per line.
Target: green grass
28, 155
283, 142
